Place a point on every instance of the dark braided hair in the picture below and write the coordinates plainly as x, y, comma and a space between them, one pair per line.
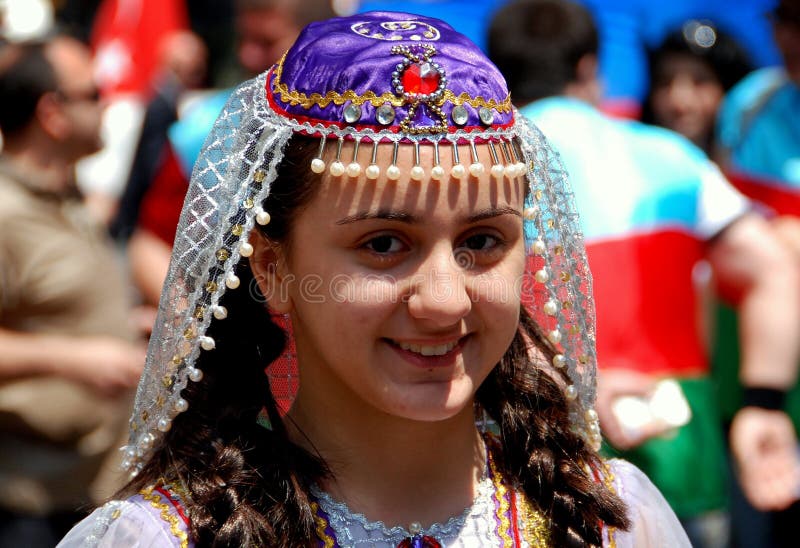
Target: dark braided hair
247, 485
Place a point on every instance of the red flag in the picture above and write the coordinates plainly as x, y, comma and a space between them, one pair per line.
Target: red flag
126, 37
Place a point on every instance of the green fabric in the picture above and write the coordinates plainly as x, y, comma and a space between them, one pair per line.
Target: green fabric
725, 367
688, 466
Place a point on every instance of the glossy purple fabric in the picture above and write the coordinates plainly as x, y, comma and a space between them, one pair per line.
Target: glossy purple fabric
354, 53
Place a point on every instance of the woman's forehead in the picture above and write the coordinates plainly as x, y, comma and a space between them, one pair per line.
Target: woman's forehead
423, 198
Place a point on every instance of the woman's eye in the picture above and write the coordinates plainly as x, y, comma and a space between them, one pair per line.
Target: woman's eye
385, 244
480, 242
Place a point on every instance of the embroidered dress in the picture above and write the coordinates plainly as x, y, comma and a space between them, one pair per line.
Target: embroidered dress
497, 517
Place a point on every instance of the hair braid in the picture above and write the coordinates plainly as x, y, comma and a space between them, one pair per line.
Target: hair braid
541, 454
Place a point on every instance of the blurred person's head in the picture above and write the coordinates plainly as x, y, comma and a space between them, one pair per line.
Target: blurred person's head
266, 28
545, 48
185, 56
690, 71
786, 24
48, 99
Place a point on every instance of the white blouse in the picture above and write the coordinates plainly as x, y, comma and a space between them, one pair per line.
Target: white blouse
151, 520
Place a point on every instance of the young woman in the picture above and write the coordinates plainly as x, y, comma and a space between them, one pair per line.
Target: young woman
690, 72
372, 222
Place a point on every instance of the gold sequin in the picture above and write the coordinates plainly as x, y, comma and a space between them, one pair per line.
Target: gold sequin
116, 513
166, 514
237, 230
249, 203
211, 287
223, 254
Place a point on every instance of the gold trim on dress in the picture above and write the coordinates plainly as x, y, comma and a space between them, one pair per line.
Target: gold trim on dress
155, 499
327, 540
608, 479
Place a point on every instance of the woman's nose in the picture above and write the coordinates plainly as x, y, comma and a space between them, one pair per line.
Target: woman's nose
438, 291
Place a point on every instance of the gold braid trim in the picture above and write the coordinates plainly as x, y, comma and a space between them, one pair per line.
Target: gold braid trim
166, 514
535, 527
500, 491
294, 97
608, 480
327, 541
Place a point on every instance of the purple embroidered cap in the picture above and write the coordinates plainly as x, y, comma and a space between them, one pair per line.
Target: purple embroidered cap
389, 71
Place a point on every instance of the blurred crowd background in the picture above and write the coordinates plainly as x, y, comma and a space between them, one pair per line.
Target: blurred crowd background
104, 104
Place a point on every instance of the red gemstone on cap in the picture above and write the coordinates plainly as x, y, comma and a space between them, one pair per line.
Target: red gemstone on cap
421, 79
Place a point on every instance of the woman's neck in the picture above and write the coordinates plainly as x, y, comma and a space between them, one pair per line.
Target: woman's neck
392, 469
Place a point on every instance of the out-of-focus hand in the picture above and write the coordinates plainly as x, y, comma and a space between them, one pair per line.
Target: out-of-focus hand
108, 366
616, 383
143, 319
764, 447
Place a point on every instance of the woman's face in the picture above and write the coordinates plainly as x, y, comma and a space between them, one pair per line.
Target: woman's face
685, 96
403, 295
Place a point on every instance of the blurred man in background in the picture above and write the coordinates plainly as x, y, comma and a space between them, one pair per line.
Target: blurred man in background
68, 362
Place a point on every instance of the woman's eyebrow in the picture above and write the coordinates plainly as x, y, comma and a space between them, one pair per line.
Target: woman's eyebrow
491, 212
383, 214
409, 218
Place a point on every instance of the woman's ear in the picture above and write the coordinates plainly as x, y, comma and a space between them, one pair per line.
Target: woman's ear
270, 272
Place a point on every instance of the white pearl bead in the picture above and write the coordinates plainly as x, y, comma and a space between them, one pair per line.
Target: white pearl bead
476, 169
554, 336
337, 169
195, 375
497, 171
591, 415
181, 405
437, 173
232, 281
559, 360
521, 169
164, 425
126, 464
417, 173
393, 172
458, 171
415, 528
207, 343
245, 249
317, 165
550, 307
373, 172
530, 213
263, 218
353, 169
511, 171
542, 276
220, 312
571, 392
539, 247
146, 442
